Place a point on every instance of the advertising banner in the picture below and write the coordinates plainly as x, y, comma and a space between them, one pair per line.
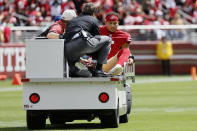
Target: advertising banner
12, 59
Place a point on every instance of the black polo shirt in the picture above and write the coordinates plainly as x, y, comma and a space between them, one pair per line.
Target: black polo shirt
88, 23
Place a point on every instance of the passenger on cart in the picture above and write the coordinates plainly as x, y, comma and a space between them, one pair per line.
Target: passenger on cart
120, 52
56, 30
83, 37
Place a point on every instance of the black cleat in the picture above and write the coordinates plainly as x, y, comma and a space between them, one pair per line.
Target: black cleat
99, 73
80, 73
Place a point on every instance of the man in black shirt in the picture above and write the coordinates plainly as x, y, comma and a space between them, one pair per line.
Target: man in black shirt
82, 37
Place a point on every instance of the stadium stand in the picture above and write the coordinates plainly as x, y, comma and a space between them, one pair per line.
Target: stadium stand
34, 12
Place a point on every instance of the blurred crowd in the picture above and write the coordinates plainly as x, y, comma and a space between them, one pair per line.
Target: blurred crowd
132, 12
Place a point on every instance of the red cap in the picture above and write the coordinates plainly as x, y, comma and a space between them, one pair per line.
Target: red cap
111, 18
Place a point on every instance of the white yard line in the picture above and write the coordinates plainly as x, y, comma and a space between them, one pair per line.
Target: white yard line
168, 79
166, 109
12, 124
8, 89
148, 80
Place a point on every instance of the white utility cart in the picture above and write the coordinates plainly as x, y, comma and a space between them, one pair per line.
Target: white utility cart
48, 94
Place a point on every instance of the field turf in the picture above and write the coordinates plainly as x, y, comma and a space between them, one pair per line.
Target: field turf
159, 104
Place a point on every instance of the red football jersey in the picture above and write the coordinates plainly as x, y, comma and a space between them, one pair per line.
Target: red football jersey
118, 39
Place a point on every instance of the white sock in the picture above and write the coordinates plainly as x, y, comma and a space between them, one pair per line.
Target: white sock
115, 67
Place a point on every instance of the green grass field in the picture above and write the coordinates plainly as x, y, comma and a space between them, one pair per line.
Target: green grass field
159, 104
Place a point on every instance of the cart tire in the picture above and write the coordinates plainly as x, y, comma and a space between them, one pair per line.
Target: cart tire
128, 98
35, 120
124, 118
112, 120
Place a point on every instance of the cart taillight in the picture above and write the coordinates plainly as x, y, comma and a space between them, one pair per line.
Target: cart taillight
103, 97
34, 98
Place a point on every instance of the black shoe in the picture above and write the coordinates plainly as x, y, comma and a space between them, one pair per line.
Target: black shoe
99, 73
80, 73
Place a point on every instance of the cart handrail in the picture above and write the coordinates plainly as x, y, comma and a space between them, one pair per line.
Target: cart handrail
129, 71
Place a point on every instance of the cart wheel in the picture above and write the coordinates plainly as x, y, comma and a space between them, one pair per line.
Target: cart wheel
35, 120
112, 120
128, 98
124, 118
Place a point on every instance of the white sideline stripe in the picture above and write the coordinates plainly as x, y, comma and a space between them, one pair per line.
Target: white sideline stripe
12, 124
168, 109
7, 89
126, 27
155, 80
23, 123
190, 26
148, 80
176, 57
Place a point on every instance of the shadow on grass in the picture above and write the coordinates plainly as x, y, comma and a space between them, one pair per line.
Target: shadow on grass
13, 129
78, 126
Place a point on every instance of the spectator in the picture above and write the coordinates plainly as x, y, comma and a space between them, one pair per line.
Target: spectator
171, 6
1, 34
128, 20
78, 5
55, 8
164, 52
40, 10
7, 33
133, 6
177, 20
194, 14
139, 17
188, 6
132, 12
5, 28
159, 32
156, 3
45, 8
120, 10
58, 28
67, 4
180, 3
146, 6
176, 33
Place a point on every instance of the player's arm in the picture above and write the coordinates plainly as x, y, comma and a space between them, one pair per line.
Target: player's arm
55, 32
131, 58
52, 35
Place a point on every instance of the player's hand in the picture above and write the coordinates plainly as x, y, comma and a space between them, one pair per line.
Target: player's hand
130, 61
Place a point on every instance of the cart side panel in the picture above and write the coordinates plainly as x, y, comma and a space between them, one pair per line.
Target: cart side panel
45, 58
61, 95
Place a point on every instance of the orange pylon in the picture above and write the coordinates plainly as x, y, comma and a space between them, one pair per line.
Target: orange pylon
17, 79
193, 72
